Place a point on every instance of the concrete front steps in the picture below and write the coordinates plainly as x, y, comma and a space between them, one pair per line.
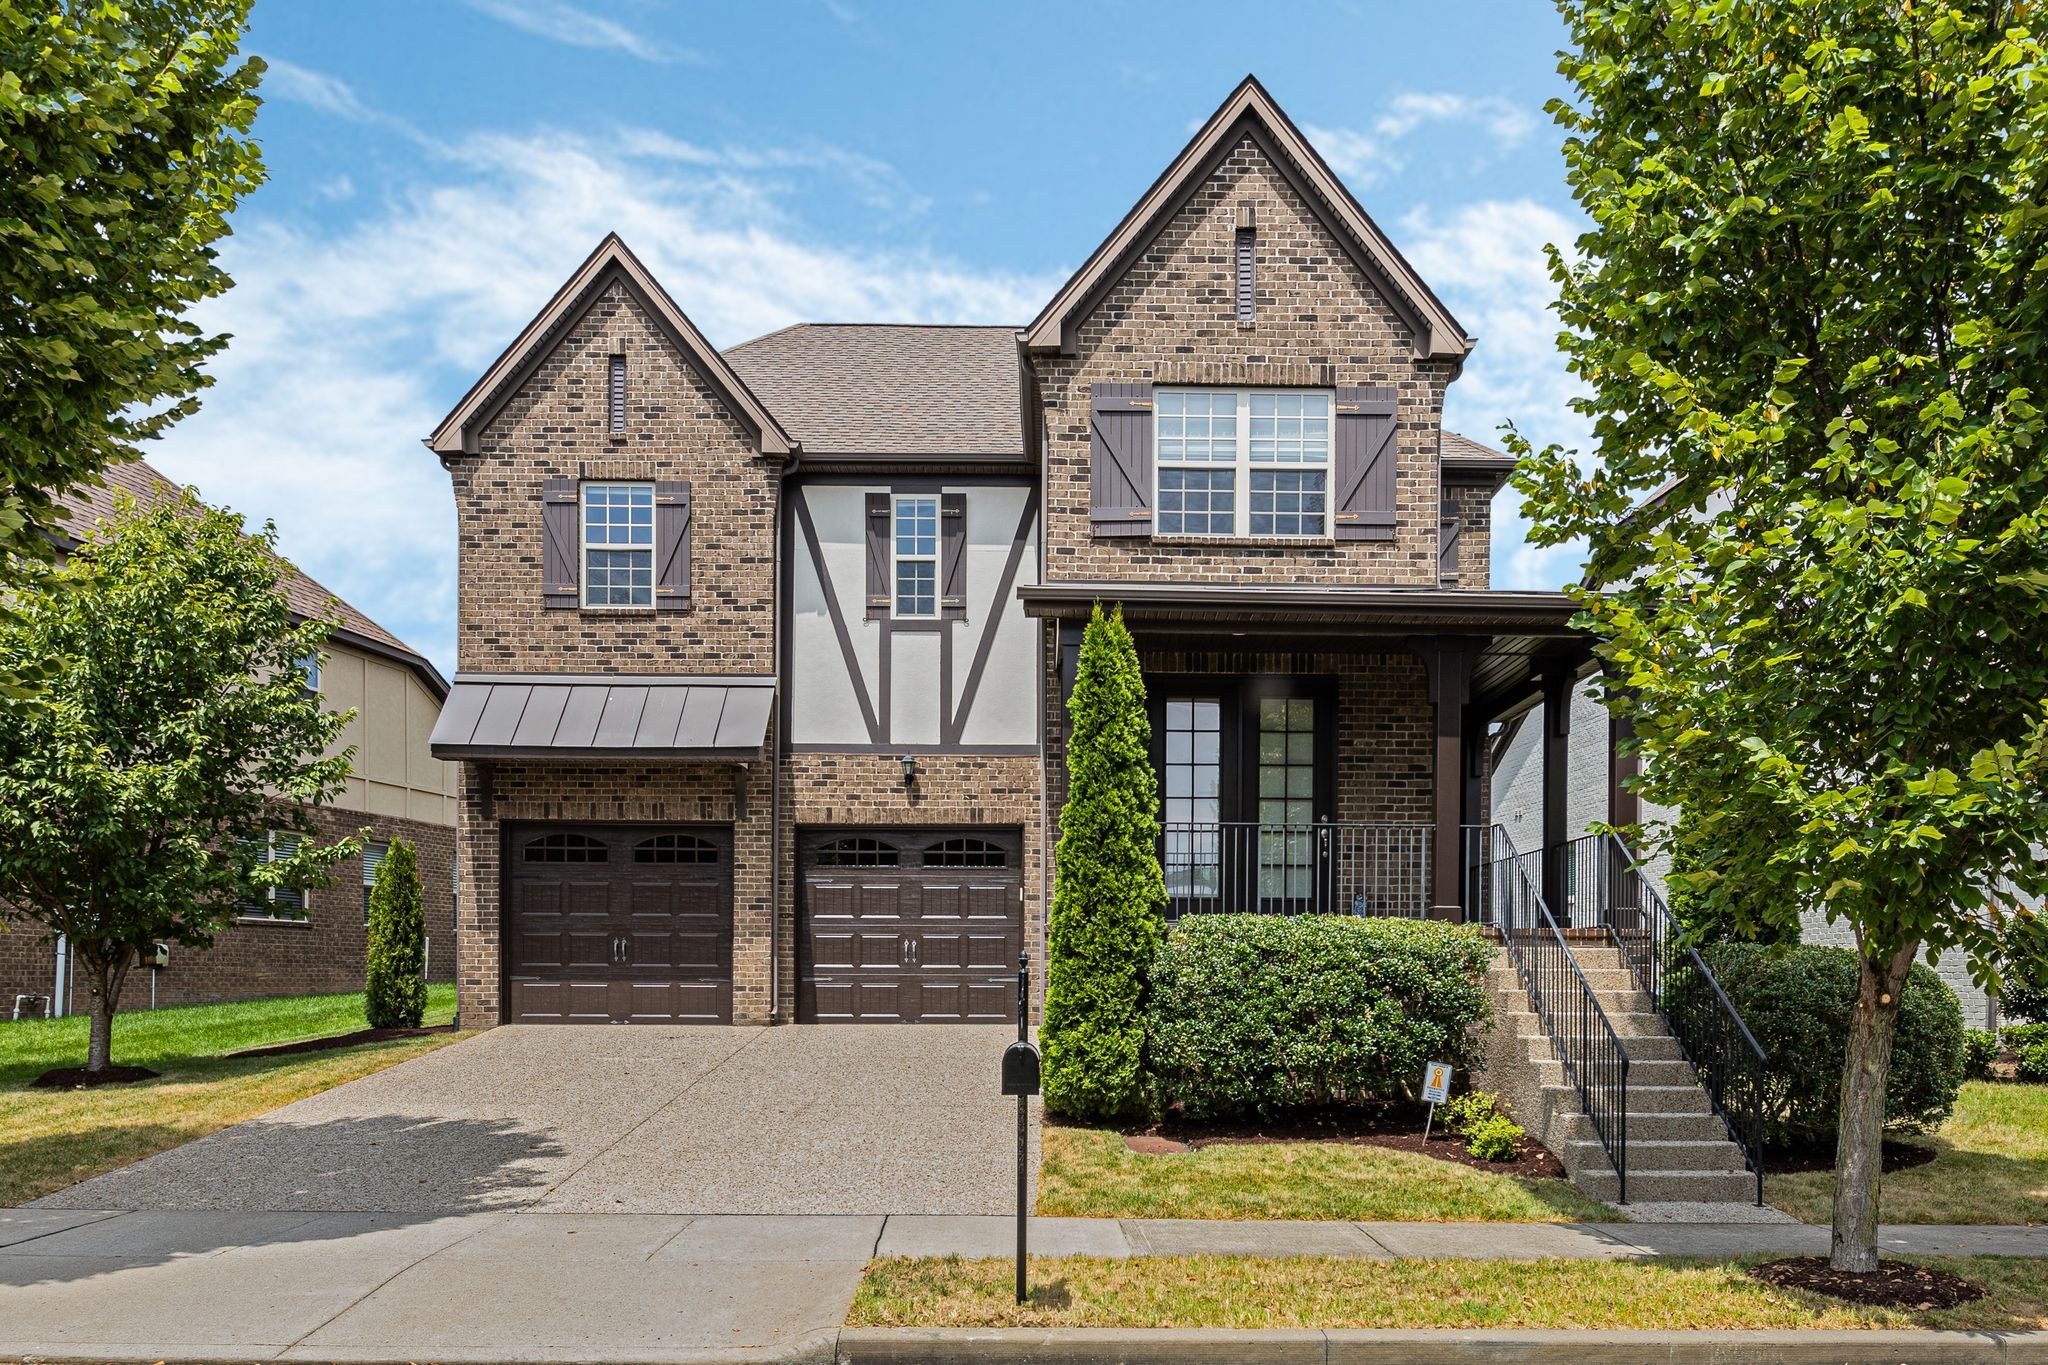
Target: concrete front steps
1678, 1149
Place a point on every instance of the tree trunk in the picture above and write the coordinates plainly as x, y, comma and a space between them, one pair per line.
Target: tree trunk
1859, 1148
104, 998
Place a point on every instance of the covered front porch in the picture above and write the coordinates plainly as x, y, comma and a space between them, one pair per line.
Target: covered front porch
1325, 750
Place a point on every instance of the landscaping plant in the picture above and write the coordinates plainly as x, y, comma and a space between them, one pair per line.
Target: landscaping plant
1495, 1139
1810, 311
2033, 1064
1463, 1113
1259, 1015
173, 737
395, 965
124, 144
1109, 895
1980, 1050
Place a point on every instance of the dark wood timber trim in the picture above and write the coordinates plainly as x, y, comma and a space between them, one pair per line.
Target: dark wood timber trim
847, 656
954, 722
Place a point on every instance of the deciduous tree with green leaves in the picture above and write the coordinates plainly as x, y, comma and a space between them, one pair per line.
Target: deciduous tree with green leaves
174, 735
124, 144
1810, 308
395, 965
1109, 894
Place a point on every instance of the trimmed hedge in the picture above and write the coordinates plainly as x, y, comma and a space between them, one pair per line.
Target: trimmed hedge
1257, 1015
2033, 1064
1980, 1050
1797, 1002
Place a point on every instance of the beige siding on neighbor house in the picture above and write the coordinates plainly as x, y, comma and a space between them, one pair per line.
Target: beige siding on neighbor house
394, 774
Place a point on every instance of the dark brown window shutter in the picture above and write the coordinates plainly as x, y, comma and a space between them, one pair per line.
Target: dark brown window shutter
1247, 298
671, 545
1367, 465
1120, 460
1447, 544
952, 556
879, 598
561, 562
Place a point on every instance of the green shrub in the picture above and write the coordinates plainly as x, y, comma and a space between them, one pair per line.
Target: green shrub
1108, 892
1980, 1050
2033, 1067
1797, 1002
1463, 1113
394, 981
2020, 1037
1263, 1014
1495, 1139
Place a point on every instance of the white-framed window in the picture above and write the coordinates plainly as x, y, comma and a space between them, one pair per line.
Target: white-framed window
274, 902
1249, 463
917, 555
618, 544
309, 671
373, 859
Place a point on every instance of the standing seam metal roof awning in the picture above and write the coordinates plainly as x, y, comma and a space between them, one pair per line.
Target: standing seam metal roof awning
557, 716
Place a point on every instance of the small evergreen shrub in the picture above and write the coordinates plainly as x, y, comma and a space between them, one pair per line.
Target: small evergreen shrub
1980, 1050
394, 982
1797, 1002
2020, 1037
2033, 1068
1109, 894
1259, 1015
1463, 1113
1495, 1138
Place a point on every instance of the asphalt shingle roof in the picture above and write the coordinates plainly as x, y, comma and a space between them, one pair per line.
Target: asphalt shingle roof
854, 389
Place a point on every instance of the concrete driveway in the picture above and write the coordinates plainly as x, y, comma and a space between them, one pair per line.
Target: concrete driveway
798, 1119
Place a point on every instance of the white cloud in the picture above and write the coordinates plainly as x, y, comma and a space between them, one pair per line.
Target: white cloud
561, 22
316, 89
1487, 262
351, 342
1362, 156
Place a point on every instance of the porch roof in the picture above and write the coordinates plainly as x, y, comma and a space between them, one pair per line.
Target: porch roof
1518, 636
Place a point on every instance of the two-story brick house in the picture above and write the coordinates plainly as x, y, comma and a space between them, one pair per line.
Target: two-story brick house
763, 653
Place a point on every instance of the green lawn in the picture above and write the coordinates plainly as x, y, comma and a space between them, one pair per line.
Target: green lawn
1991, 1166
53, 1138
1090, 1173
1324, 1292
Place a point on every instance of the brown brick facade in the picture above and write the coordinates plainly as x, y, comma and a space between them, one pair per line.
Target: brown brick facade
254, 959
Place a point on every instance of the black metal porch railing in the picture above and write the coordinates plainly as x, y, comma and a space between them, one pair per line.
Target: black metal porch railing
1501, 891
1324, 868
1606, 887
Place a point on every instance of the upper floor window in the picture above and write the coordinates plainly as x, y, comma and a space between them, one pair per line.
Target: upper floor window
309, 671
917, 555
618, 544
1244, 462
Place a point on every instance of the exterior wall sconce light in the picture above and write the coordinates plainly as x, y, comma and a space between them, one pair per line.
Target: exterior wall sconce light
909, 770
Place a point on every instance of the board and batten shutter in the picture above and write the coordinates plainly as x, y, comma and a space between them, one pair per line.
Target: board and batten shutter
671, 544
878, 595
1120, 460
1447, 543
1366, 464
952, 556
560, 577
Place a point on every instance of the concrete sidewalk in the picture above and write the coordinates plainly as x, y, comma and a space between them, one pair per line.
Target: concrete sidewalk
536, 1286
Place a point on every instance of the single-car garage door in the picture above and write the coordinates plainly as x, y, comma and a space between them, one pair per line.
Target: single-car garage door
902, 926
616, 924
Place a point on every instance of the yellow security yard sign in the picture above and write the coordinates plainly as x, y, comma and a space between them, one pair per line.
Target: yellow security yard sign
1436, 1082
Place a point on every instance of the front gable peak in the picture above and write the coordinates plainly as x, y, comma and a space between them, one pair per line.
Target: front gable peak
1251, 112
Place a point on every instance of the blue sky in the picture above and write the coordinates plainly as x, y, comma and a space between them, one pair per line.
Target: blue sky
438, 167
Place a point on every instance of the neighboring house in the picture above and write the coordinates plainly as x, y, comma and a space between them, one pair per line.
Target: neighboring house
763, 653
312, 942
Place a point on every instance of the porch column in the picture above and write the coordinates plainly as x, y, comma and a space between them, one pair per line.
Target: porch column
1449, 663
1624, 807
1557, 734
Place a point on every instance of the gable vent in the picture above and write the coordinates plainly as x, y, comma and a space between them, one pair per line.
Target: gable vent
1246, 238
618, 393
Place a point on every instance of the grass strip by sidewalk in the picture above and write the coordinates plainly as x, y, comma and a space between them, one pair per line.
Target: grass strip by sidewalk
1323, 1292
1991, 1166
1090, 1173
50, 1139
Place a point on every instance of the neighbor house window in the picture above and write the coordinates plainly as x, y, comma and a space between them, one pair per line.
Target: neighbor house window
917, 556
1245, 462
373, 859
274, 902
309, 671
618, 544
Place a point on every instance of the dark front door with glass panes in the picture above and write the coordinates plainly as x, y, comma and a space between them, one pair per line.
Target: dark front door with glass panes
1245, 775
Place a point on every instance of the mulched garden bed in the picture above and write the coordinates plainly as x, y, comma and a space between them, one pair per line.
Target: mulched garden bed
1894, 1284
361, 1035
1397, 1127
1898, 1156
78, 1078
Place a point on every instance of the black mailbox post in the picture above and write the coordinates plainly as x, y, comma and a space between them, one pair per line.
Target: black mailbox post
1020, 1078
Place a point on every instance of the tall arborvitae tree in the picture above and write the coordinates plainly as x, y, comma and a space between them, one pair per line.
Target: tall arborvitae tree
394, 974
1108, 892
1813, 308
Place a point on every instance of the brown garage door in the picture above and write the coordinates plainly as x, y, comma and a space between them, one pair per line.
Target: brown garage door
613, 924
902, 926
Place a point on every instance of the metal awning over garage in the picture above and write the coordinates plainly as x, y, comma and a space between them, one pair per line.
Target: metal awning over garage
559, 716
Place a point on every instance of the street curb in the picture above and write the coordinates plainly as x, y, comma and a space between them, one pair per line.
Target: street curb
1135, 1346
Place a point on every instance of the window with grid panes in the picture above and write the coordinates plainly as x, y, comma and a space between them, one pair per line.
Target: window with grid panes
1249, 463
274, 902
1287, 787
1194, 796
618, 544
917, 556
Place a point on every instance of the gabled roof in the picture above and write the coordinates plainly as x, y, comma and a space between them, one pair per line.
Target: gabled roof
308, 598
1250, 111
853, 390
612, 262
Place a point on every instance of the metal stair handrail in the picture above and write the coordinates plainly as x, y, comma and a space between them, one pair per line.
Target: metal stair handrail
1587, 1046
